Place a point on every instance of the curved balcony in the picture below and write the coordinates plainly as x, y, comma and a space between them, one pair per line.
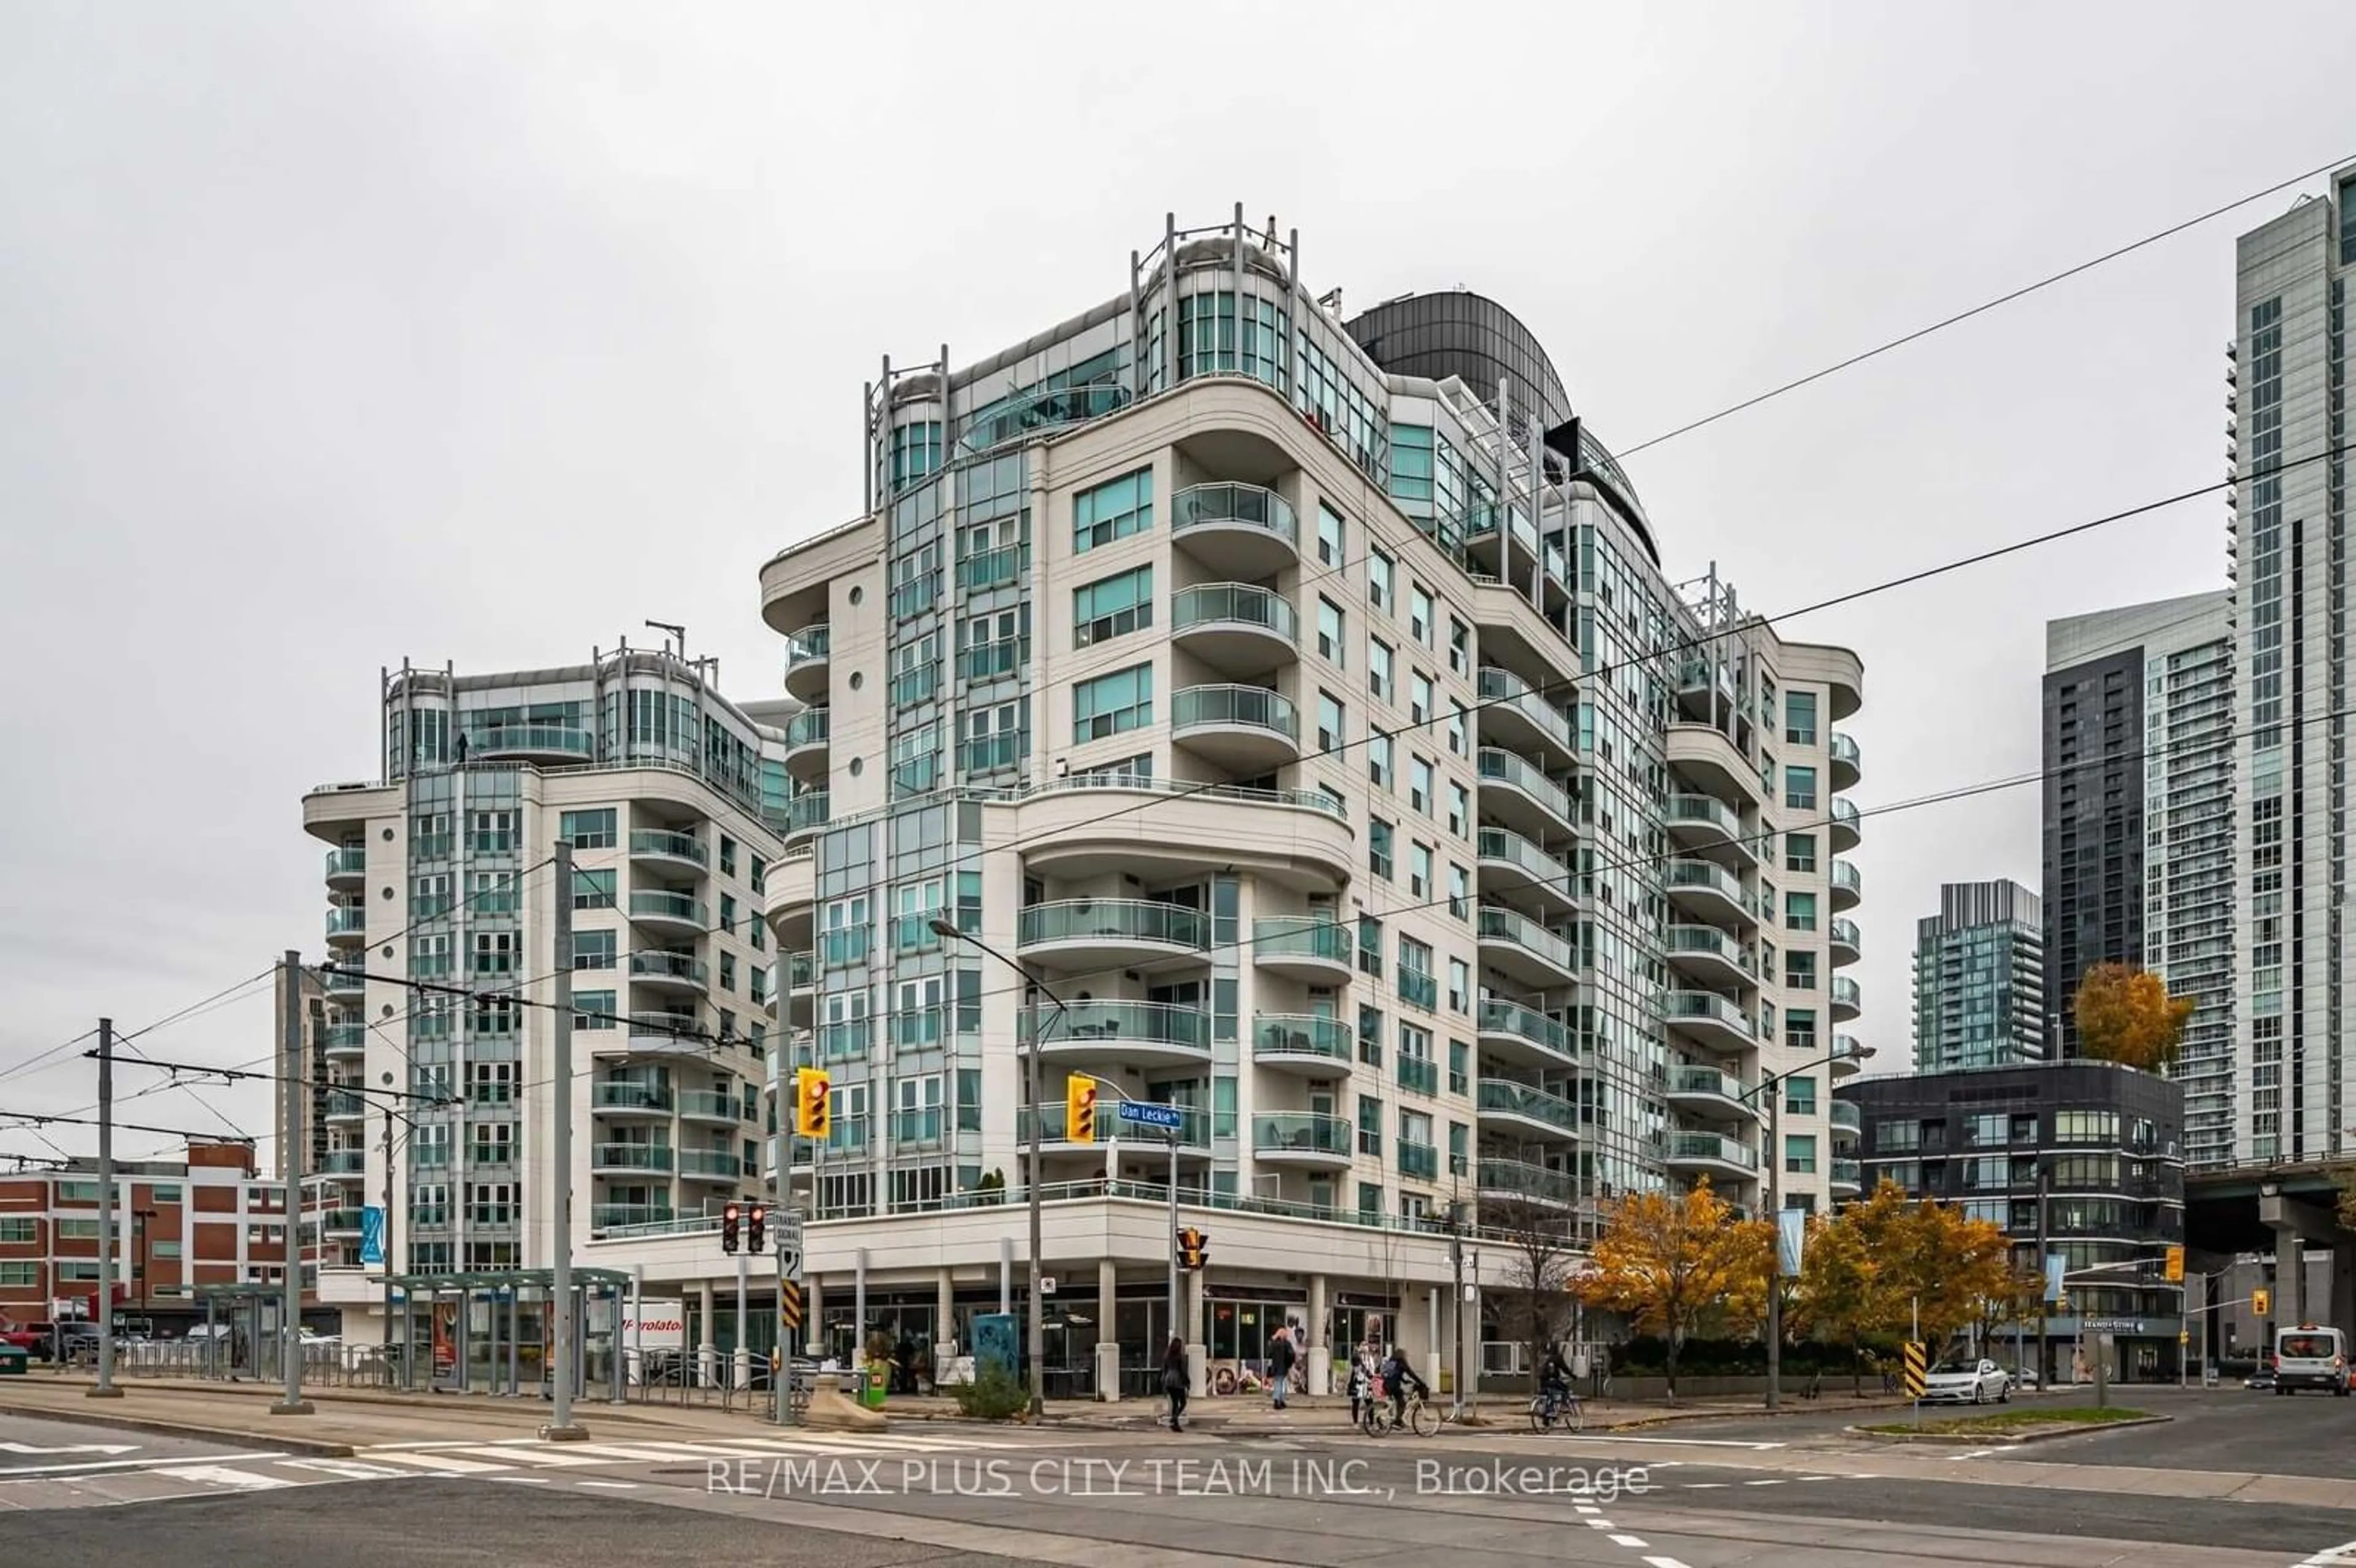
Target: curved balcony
1844, 941
1241, 530
1849, 1057
1110, 934
1525, 1111
1712, 1154
346, 985
1707, 1019
1709, 893
1709, 954
1848, 1000
664, 1034
1305, 1045
347, 1162
1038, 410
708, 1105
1706, 1092
1516, 715
1844, 823
1847, 1120
1093, 828
1512, 864
1848, 761
340, 1222
1140, 1035
625, 1101
1193, 1130
1518, 794
1236, 628
346, 868
1707, 824
1848, 888
1243, 729
621, 1216
1305, 948
673, 852
554, 744
683, 914
808, 736
347, 926
344, 1042
680, 973
343, 1105
806, 655
1304, 1140
711, 1164
1847, 1177
1519, 1037
1523, 950
629, 1159
1519, 1181
1705, 757
806, 814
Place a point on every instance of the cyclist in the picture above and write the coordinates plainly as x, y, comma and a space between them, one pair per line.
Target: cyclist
1398, 1379
1554, 1379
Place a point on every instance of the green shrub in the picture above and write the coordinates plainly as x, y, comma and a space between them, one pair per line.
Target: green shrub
994, 1394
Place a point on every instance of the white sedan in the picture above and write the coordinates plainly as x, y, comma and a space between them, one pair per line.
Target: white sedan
1967, 1383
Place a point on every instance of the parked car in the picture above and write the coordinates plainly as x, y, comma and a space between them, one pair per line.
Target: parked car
1967, 1383
2310, 1357
33, 1338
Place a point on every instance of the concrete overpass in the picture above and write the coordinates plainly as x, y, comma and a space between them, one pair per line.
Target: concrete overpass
2284, 1210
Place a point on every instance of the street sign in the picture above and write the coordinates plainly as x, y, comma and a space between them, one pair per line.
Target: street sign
787, 1226
1047, 1284
789, 1304
1169, 1118
1915, 1369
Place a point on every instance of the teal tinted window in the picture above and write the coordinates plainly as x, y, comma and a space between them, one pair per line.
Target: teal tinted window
1113, 511
1113, 703
1112, 607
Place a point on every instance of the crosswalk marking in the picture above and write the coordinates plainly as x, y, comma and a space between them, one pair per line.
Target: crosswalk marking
347, 1469
224, 1476
449, 1464
557, 1458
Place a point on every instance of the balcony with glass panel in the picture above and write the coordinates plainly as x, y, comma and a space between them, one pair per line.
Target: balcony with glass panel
806, 814
1193, 1130
722, 1166
1517, 793
709, 1105
629, 1158
1705, 688
1417, 1162
1848, 1000
1241, 531
1309, 948
1849, 887
1843, 939
1002, 567
347, 926
680, 973
1243, 729
1524, 1111
1117, 1034
1304, 1140
605, 1217
1018, 416
621, 1100
1707, 758
1847, 1177
677, 854
808, 736
347, 1162
1707, 824
659, 1033
346, 868
1524, 951
548, 744
1709, 894
1849, 1056
1709, 1020
348, 985
1511, 865
1521, 1037
1706, 954
1707, 1093
345, 1105
1520, 1181
681, 914
807, 652
340, 1222
1847, 1122
1517, 715
1848, 761
1304, 1045
1844, 823
344, 1042
1110, 934
1718, 1155
1235, 628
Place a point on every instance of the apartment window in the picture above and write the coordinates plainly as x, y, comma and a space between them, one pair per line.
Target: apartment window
492, 1143
1379, 758
727, 856
1418, 702
1112, 607
995, 739
1329, 723
593, 890
587, 829
1380, 660
1420, 623
22, 1276
1800, 1029
728, 971
77, 1229
495, 952
1370, 1035
1799, 851
994, 645
592, 1009
1330, 551
1418, 870
1460, 1070
1800, 788
1329, 633
1800, 1096
16, 1228
1458, 728
1370, 1202
1378, 847
728, 913
167, 1251
1419, 784
1800, 911
1800, 1153
1379, 569
491, 1082
1897, 1137
1112, 704
1459, 985
1799, 718
1457, 1158
593, 950
1460, 893
1112, 511
1460, 647
1370, 946
1370, 1125
1460, 810
495, 832
2085, 1127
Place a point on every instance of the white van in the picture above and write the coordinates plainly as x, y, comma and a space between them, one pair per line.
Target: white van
2310, 1357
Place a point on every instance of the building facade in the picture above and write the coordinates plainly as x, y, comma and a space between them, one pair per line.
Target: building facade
2138, 829
2286, 412
1303, 704
2087, 1154
1979, 978
441, 874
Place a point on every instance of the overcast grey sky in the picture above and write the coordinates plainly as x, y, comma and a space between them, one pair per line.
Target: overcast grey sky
330, 334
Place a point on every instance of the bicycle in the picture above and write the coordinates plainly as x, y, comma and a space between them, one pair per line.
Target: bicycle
1415, 1412
1548, 1410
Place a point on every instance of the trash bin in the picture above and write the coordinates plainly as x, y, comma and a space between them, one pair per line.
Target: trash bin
16, 1361
872, 1386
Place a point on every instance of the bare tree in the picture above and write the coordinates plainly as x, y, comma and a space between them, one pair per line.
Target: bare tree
1534, 1303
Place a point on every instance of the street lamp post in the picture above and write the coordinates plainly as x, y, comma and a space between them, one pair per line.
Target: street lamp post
1035, 1337
1771, 1084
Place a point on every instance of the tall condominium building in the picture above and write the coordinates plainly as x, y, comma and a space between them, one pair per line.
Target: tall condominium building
441, 873
2139, 827
1302, 703
1979, 978
310, 1011
2288, 368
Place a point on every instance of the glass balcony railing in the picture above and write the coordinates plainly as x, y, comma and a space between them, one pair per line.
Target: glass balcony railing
631, 1156
1418, 989
1845, 932
540, 740
1246, 503
661, 1025
1703, 1007
1842, 749
1418, 1074
1297, 936
668, 906
1706, 939
1712, 1147
711, 1162
347, 862
1504, 845
710, 1104
1847, 993
668, 967
1119, 920
628, 1096
347, 1161
1159, 1023
1419, 1162
1707, 810
1523, 1179
1850, 1173
846, 1040
1302, 1132
1845, 815
810, 727
344, 1102
613, 1216
994, 567
678, 846
1497, 924
1040, 409
1702, 875
1301, 1037
843, 947
801, 971
344, 1037
1503, 688
1227, 706
1507, 1017
925, 1124
810, 646
1704, 1081
1194, 1127
807, 811
1845, 879
1846, 1117
1234, 604
1504, 767
1503, 1096
347, 922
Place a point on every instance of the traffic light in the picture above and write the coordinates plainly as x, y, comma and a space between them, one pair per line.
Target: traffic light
2176, 1265
813, 1112
2262, 1302
729, 1217
1080, 1109
1194, 1246
756, 1224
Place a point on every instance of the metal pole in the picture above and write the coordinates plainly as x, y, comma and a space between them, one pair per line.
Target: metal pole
290, 1154
104, 1388
1173, 1229
1776, 1245
387, 1227
2044, 1275
742, 1370
561, 1427
1035, 1333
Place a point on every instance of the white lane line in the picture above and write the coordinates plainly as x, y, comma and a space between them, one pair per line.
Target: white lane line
28, 1472
552, 1458
1635, 1540
1664, 1563
2331, 1557
1598, 1524
522, 1480
347, 1469
1587, 1508
1819, 1477
1776, 1482
222, 1475
1707, 1486
1672, 1442
610, 1486
448, 1464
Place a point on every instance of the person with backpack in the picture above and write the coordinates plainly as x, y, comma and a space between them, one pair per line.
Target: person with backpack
1280, 1366
1398, 1379
1173, 1380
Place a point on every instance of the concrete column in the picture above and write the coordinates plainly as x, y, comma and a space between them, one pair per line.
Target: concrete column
1320, 1354
1108, 1346
1432, 1332
2343, 1285
706, 1352
813, 1315
1198, 1357
944, 1315
2290, 1279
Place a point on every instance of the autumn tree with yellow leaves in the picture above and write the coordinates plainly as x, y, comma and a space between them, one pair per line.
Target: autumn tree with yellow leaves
2125, 1014
1665, 1259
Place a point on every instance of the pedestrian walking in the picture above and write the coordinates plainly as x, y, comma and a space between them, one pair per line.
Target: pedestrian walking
1280, 1365
1173, 1382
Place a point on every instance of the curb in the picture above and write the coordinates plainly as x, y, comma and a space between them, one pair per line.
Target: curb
311, 1447
2007, 1440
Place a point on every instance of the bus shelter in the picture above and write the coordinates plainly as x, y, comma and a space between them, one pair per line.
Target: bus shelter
488, 1331
241, 1337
